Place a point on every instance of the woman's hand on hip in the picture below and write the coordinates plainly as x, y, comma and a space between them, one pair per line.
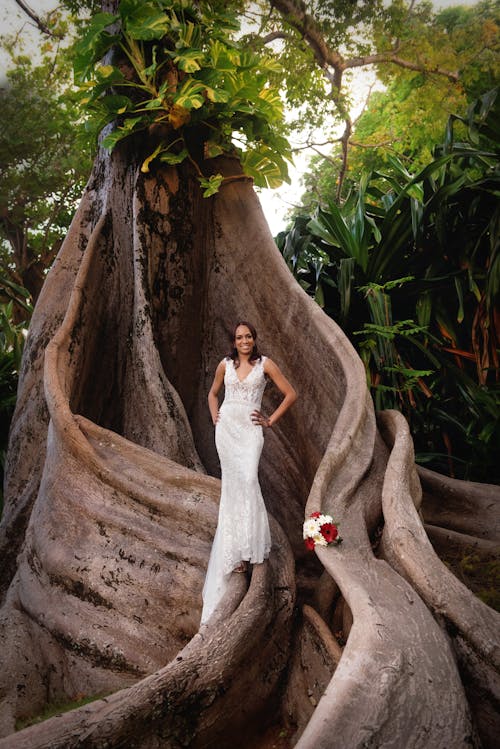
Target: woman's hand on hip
259, 419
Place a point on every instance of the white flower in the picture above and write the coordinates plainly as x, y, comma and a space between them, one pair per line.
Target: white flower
324, 519
320, 540
310, 528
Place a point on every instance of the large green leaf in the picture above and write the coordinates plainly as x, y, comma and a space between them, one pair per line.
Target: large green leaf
168, 157
211, 185
117, 104
189, 61
94, 44
266, 167
220, 57
332, 227
190, 95
269, 103
112, 138
143, 20
345, 284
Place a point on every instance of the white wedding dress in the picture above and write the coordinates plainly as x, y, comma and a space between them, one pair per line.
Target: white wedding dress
243, 527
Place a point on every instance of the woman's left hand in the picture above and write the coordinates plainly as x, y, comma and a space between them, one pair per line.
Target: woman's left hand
259, 419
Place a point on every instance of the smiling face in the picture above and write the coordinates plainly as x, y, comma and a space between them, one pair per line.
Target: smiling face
243, 341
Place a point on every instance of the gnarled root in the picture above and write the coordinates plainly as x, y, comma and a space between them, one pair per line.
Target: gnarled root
473, 626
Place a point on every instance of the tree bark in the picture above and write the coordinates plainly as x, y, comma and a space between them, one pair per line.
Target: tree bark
111, 504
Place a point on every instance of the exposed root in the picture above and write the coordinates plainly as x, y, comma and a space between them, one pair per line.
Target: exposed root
210, 683
462, 506
407, 546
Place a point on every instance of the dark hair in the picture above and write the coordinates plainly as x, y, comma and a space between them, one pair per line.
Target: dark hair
233, 354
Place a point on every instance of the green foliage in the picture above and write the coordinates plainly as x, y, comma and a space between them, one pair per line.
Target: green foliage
347, 28
410, 267
17, 296
46, 158
173, 67
11, 348
474, 34
407, 118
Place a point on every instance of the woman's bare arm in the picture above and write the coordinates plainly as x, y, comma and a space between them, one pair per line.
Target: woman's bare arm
213, 394
290, 396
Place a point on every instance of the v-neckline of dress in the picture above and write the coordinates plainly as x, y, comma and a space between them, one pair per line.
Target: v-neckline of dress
246, 376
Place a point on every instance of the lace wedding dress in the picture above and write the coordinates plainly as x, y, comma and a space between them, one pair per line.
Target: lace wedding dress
243, 528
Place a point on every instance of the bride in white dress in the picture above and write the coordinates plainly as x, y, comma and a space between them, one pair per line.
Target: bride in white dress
242, 534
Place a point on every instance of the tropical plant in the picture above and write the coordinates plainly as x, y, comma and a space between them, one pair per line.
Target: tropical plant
11, 348
15, 313
176, 70
410, 267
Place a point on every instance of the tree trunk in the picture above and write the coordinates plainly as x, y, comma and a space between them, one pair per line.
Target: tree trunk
111, 503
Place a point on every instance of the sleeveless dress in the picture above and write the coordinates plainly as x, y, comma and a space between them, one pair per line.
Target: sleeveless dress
243, 527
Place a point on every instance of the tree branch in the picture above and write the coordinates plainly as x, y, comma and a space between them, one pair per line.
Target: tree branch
315, 145
330, 159
275, 35
307, 27
334, 64
382, 143
391, 57
42, 26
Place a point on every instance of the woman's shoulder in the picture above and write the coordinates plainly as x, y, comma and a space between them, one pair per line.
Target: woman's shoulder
267, 363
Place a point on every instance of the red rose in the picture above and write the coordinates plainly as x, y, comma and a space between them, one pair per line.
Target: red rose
315, 514
309, 542
329, 532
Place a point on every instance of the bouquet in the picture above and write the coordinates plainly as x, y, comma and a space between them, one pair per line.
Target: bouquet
321, 530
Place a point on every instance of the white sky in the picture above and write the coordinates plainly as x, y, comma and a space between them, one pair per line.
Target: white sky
276, 202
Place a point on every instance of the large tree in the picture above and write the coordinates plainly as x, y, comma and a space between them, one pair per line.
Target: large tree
111, 496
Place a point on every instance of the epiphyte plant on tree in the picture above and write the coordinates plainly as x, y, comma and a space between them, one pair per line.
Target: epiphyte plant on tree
173, 70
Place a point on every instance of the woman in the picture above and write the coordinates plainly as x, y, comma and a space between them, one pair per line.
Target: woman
242, 534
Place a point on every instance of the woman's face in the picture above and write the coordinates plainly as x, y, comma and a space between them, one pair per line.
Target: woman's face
243, 340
